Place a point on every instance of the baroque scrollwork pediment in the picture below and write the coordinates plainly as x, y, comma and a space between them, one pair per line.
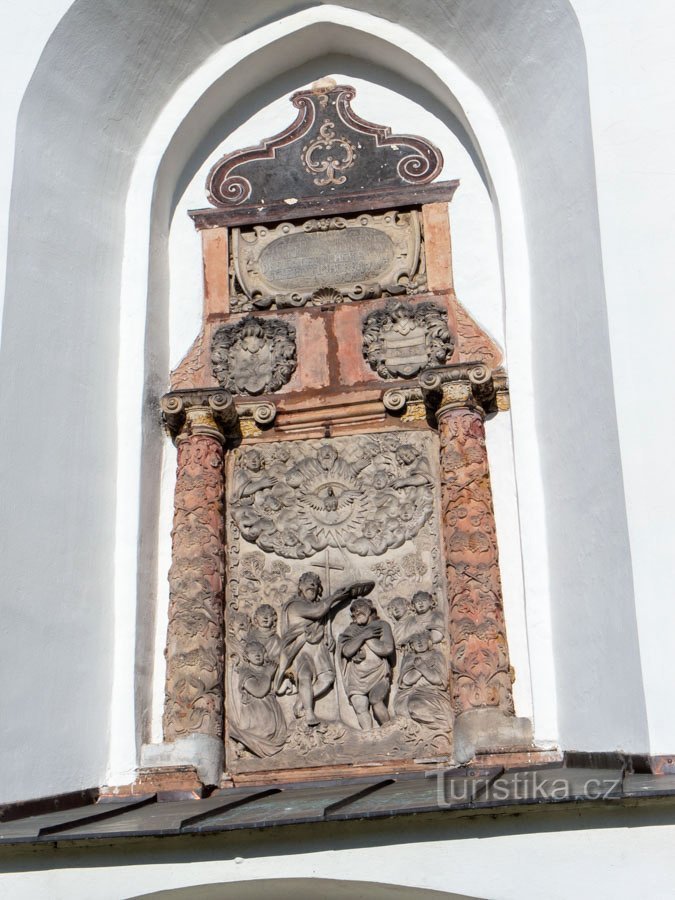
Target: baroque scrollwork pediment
254, 355
327, 150
402, 339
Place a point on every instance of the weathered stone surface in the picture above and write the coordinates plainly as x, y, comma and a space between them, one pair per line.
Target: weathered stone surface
337, 641
195, 650
202, 753
254, 355
489, 730
321, 262
404, 338
481, 674
365, 496
315, 676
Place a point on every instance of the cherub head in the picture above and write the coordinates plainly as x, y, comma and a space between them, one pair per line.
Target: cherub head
326, 456
254, 653
406, 454
422, 602
253, 460
380, 479
265, 617
238, 625
397, 608
420, 642
372, 529
406, 512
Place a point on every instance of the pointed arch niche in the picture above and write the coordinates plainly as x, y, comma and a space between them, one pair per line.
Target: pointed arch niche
510, 89
393, 88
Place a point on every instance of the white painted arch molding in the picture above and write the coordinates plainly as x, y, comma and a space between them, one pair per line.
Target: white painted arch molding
106, 79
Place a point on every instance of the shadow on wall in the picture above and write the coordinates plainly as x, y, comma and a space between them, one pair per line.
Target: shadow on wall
302, 889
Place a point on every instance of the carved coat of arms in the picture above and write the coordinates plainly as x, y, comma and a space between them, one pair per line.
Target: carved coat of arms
402, 339
254, 356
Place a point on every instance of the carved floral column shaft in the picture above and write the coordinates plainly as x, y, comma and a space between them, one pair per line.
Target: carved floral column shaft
195, 647
481, 674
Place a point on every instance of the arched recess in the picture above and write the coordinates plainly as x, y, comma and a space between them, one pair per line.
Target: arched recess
231, 87
88, 116
301, 889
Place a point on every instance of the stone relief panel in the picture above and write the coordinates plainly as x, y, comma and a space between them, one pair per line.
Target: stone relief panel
404, 338
254, 355
328, 260
336, 616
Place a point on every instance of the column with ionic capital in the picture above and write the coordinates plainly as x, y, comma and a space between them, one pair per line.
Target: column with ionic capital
194, 687
481, 675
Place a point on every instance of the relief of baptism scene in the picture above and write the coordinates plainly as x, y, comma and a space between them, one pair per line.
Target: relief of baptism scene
336, 616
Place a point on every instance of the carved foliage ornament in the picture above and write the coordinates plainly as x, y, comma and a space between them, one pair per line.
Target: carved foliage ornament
402, 339
254, 355
194, 650
480, 658
327, 149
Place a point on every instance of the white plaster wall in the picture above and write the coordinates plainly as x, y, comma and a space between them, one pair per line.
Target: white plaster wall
102, 81
632, 91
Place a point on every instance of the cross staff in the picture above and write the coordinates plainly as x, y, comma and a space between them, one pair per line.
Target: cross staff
328, 566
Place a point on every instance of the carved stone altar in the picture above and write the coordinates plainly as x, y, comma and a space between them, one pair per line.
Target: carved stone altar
335, 589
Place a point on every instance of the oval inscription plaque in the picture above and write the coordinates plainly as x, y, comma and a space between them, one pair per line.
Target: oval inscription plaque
301, 261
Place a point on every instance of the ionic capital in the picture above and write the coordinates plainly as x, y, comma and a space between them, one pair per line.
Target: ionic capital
210, 412
467, 385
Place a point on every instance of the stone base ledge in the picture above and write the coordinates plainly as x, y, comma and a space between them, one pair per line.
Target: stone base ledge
488, 730
201, 751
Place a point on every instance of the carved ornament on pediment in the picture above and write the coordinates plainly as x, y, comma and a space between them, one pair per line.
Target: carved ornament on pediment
402, 339
328, 150
254, 355
322, 262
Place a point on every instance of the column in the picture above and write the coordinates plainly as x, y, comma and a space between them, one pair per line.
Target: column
195, 644
199, 422
481, 676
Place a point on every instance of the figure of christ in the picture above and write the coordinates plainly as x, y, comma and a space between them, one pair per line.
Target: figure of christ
306, 644
256, 719
422, 685
366, 650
